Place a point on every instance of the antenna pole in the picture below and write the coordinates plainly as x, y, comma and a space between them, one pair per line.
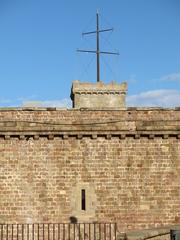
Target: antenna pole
97, 49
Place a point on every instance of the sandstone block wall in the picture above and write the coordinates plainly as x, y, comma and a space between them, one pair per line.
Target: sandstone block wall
128, 162
98, 95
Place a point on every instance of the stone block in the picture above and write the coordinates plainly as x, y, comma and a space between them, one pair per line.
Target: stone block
98, 95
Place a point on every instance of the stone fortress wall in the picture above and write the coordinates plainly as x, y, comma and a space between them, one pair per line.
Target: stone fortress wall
126, 160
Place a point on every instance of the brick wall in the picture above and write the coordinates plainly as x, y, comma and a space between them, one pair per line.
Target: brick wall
130, 169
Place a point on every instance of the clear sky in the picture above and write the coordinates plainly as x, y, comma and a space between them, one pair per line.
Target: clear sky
39, 38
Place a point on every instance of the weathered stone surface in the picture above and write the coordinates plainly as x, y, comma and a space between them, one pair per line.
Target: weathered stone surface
136, 122
133, 179
98, 95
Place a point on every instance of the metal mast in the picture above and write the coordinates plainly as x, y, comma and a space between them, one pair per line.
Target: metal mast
97, 52
97, 47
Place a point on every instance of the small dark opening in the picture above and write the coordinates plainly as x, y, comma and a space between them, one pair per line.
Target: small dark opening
73, 219
83, 199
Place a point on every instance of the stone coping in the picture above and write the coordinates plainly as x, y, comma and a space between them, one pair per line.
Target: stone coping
88, 109
78, 86
148, 233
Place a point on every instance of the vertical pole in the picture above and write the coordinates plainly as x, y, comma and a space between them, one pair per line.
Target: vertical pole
58, 231
94, 231
33, 232
79, 231
28, 232
64, 231
89, 231
7, 231
99, 230
97, 50
48, 231
74, 231
115, 228
12, 231
84, 231
17, 237
22, 230
110, 231
1, 231
43, 231
38, 232
69, 231
53, 231
104, 231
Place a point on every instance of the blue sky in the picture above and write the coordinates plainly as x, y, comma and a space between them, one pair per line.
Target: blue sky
39, 38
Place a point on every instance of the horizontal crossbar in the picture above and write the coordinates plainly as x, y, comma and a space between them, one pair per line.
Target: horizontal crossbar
102, 52
103, 30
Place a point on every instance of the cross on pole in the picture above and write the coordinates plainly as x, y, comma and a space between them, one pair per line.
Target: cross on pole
97, 52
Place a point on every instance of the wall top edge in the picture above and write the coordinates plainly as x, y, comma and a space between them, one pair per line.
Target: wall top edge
94, 86
2, 109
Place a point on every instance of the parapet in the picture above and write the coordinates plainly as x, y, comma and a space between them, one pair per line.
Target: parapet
98, 95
